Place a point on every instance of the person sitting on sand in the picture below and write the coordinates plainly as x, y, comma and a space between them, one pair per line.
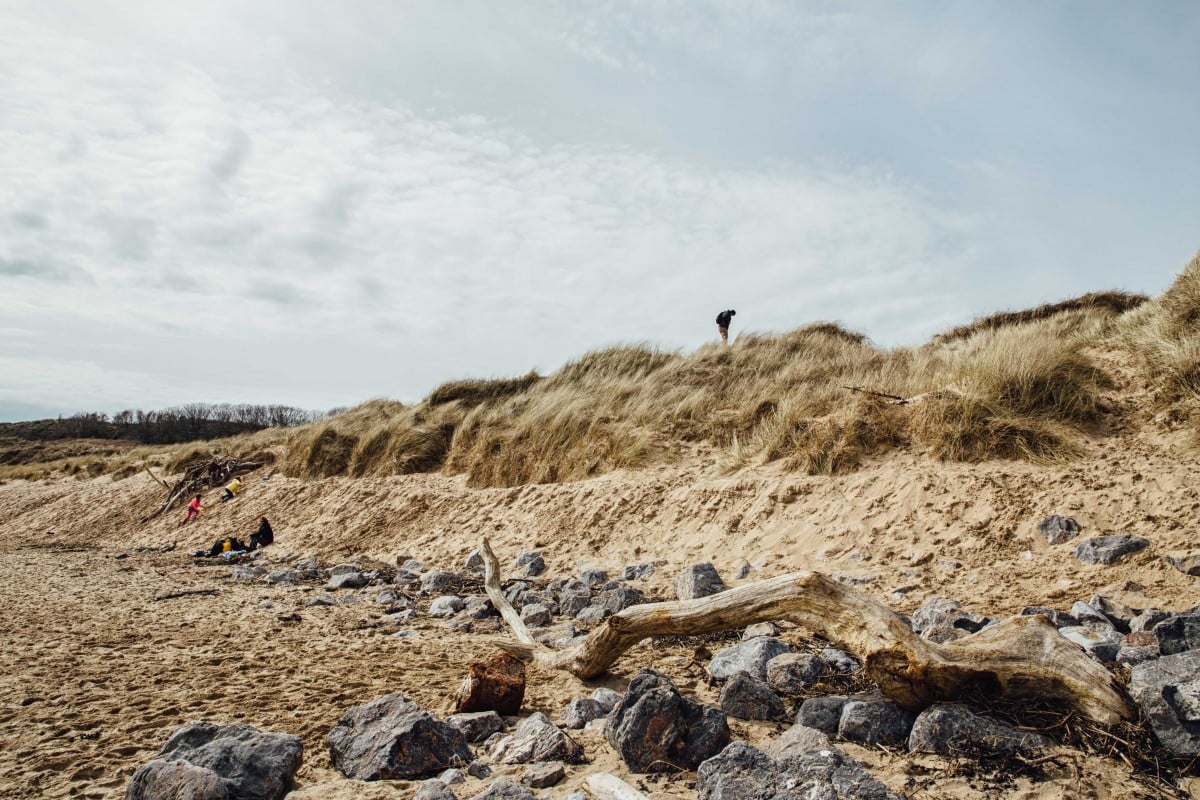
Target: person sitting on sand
231, 488
193, 510
229, 544
263, 536
723, 320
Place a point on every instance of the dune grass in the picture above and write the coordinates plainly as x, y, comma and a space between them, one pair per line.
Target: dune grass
811, 398
819, 399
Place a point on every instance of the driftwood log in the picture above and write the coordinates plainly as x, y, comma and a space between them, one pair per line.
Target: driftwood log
1020, 657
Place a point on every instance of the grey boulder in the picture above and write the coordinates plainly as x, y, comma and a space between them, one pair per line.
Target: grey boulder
954, 730
874, 720
698, 580
654, 728
750, 656
742, 772
1108, 549
1058, 529
535, 738
1168, 690
476, 725
1178, 634
391, 738
211, 761
746, 697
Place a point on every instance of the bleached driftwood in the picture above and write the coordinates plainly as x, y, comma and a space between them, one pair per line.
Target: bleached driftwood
1018, 657
610, 787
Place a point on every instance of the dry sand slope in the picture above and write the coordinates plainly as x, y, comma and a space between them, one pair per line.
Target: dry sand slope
96, 671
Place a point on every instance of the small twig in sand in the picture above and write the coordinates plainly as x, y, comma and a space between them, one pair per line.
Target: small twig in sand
187, 593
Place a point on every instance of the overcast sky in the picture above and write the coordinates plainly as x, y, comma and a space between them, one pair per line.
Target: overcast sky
316, 203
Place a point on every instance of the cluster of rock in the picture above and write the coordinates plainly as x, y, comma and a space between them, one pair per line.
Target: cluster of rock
653, 726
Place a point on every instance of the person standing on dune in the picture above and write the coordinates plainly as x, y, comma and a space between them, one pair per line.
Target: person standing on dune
723, 320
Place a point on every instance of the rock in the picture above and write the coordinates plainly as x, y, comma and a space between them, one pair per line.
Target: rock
750, 656
479, 769
1146, 620
572, 600
434, 789
1135, 654
1107, 549
438, 581
591, 616
478, 725
792, 673
618, 599
1058, 619
211, 761
839, 661
593, 577
746, 697
1117, 613
452, 776
742, 772
504, 789
532, 562
760, 629
406, 578
1058, 529
285, 576
607, 698
941, 612
392, 738
654, 726
535, 615
544, 775
1178, 633
347, 580
1187, 563
1087, 615
495, 684
475, 562
446, 606
698, 580
954, 730
1168, 690
580, 712
743, 571
822, 713
874, 720
1102, 642
535, 739
797, 740
319, 601
343, 569
248, 572
638, 572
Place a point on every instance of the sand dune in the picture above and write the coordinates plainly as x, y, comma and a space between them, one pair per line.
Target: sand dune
95, 671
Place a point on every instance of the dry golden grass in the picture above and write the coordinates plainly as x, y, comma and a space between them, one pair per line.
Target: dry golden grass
1112, 302
1164, 338
1022, 390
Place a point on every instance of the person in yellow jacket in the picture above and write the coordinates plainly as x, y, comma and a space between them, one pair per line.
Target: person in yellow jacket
231, 488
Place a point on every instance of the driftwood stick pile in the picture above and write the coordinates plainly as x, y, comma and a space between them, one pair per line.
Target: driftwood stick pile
1018, 657
204, 475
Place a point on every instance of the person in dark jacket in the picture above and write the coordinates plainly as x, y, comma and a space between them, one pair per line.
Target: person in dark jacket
263, 536
723, 320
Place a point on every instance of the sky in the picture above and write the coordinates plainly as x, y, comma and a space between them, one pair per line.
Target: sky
315, 203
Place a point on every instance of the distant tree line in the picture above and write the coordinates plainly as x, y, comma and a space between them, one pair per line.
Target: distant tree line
185, 423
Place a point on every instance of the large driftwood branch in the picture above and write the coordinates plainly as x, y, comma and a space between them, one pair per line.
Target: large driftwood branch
1018, 657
